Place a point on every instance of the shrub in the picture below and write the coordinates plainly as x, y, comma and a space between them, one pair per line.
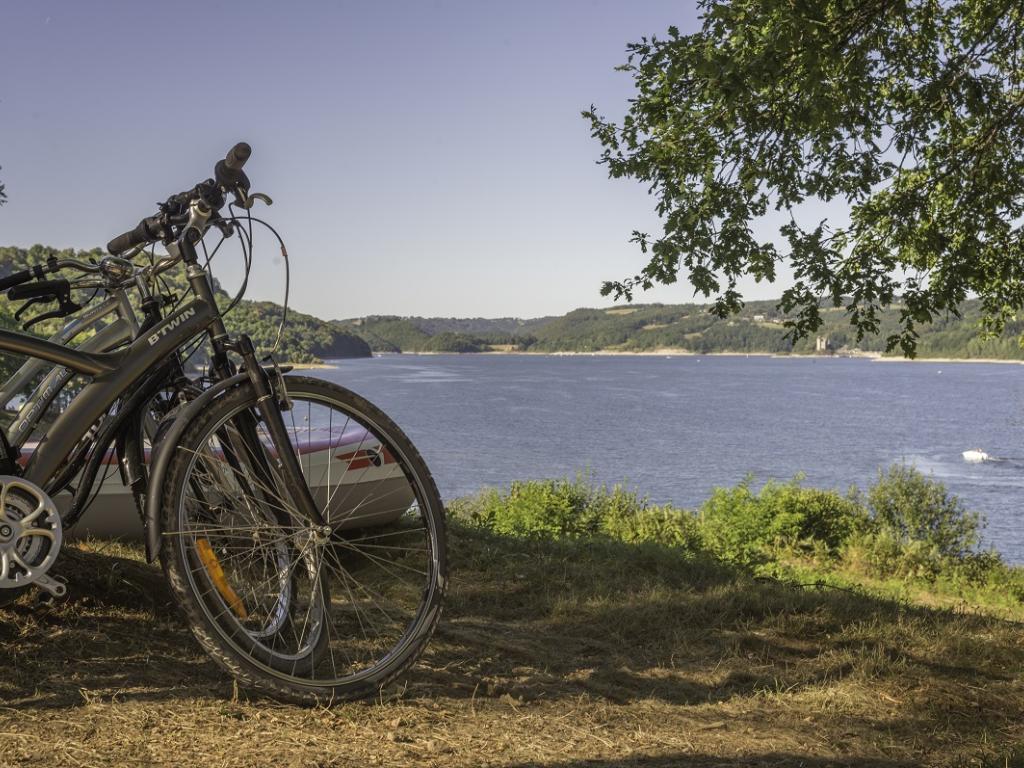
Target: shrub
919, 530
880, 552
574, 509
906, 527
918, 510
637, 524
745, 527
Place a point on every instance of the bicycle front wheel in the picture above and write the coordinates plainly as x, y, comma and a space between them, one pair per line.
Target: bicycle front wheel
305, 613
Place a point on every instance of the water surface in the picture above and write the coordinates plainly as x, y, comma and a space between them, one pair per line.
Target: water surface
674, 428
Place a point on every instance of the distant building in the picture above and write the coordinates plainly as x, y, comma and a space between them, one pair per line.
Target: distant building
823, 346
758, 318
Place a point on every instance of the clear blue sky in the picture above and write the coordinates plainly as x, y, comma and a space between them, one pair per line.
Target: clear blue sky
426, 158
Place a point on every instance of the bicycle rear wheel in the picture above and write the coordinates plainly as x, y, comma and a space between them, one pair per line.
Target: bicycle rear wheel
305, 614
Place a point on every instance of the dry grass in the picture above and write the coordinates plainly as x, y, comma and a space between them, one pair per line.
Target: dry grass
565, 655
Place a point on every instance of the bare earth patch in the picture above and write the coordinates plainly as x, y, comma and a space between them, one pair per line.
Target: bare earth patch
550, 654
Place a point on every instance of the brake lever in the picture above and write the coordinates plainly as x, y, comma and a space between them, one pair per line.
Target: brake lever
59, 312
35, 300
65, 307
244, 199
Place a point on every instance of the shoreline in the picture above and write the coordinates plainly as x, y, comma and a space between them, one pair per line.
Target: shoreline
672, 352
995, 360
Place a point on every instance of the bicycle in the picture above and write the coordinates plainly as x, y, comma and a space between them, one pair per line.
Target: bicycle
112, 278
307, 555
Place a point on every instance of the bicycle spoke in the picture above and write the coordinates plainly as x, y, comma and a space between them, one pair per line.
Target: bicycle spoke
305, 604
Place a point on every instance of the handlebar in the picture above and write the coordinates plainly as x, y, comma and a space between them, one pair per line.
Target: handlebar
111, 274
229, 178
149, 229
236, 158
228, 171
17, 278
53, 264
39, 289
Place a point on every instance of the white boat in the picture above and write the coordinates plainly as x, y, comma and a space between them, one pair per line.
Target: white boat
353, 479
976, 455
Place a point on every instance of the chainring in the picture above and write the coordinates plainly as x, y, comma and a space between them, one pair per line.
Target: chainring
30, 533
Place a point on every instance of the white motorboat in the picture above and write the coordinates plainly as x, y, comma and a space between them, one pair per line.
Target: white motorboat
976, 456
353, 478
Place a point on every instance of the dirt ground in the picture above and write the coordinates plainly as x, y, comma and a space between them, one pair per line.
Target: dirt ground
560, 655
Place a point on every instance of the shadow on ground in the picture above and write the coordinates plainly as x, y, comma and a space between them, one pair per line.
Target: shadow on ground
716, 761
532, 621
547, 621
117, 634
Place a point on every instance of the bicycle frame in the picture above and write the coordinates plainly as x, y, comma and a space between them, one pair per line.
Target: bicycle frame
131, 376
114, 375
122, 330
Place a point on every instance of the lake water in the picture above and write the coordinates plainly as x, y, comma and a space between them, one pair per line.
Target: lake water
674, 428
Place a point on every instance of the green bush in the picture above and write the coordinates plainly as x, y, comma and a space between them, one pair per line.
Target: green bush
919, 511
626, 518
748, 528
906, 528
574, 509
919, 530
540, 508
880, 552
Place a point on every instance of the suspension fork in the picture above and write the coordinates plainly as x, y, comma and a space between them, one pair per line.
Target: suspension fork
285, 457
266, 403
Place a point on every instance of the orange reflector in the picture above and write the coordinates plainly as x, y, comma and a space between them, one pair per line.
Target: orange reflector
220, 581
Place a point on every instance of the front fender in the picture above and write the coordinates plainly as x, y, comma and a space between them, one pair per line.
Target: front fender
164, 450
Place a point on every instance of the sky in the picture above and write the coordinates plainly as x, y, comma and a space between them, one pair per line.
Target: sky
425, 158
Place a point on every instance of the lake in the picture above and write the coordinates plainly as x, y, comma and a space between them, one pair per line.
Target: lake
674, 428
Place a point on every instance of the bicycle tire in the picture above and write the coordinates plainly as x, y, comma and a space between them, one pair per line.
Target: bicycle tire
239, 654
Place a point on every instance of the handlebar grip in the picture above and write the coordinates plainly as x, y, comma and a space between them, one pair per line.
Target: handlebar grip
236, 158
25, 275
15, 279
228, 171
148, 229
42, 288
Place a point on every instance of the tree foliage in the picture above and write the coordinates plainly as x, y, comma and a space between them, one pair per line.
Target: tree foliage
906, 112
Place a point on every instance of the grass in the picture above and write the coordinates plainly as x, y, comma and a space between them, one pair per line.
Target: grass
576, 649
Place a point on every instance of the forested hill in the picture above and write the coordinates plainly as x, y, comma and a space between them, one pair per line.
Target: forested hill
306, 339
650, 327
626, 328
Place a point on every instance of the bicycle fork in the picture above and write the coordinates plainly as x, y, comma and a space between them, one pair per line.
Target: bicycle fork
269, 407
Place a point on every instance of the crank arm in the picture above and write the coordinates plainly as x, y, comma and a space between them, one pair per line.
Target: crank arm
57, 589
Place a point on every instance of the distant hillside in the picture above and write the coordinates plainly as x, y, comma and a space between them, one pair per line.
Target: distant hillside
626, 328
688, 327
306, 339
480, 326
388, 333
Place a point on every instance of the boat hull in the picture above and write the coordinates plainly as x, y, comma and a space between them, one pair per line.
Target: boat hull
355, 482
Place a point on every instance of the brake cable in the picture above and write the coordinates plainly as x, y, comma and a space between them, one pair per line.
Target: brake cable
287, 276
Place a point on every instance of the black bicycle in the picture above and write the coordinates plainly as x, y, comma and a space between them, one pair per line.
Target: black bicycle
299, 528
